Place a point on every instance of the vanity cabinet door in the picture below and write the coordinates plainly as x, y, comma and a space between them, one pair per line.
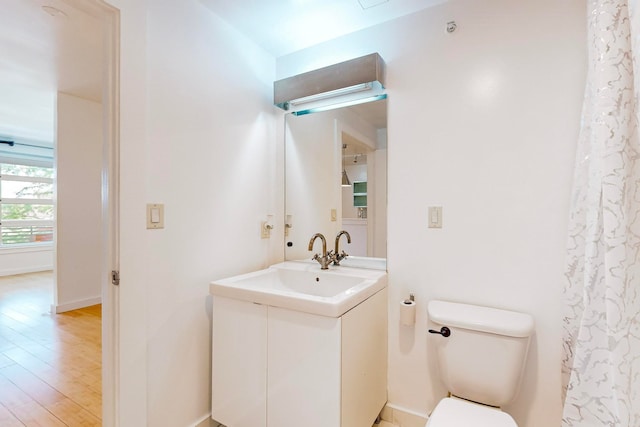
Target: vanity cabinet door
364, 361
239, 363
304, 369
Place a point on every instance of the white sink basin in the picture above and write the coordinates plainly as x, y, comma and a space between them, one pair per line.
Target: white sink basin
365, 262
303, 286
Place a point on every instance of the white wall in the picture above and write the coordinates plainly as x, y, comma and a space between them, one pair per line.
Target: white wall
483, 122
78, 203
26, 259
197, 134
210, 139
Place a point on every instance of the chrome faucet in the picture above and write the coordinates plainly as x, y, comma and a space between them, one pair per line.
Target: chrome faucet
326, 258
337, 256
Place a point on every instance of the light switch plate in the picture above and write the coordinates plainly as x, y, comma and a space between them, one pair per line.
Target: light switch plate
155, 216
334, 214
435, 216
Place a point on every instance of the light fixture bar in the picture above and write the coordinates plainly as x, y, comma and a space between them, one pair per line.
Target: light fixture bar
324, 82
331, 94
339, 105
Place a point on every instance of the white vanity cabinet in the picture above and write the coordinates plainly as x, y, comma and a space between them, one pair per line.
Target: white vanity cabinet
239, 363
277, 367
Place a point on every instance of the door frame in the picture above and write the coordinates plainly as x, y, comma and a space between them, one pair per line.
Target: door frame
110, 17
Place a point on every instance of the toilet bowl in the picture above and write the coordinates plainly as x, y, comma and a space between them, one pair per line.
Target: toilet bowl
455, 412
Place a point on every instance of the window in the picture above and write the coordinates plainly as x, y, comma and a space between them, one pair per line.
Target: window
26, 204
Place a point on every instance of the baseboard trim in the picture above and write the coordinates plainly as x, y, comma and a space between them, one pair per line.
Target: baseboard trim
74, 305
404, 417
392, 413
207, 421
16, 271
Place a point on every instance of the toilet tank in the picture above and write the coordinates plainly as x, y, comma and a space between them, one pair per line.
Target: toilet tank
484, 357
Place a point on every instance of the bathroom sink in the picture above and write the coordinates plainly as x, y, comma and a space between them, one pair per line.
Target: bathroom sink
365, 262
302, 286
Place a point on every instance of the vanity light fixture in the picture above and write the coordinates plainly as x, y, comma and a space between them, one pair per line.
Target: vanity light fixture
346, 83
332, 94
339, 105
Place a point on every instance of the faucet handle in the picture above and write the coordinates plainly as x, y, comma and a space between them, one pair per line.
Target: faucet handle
324, 261
339, 257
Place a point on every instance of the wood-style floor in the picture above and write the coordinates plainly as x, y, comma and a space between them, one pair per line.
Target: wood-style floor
50, 364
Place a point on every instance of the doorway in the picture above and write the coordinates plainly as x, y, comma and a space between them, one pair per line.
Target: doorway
56, 20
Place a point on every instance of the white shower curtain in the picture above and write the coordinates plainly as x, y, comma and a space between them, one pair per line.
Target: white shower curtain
601, 364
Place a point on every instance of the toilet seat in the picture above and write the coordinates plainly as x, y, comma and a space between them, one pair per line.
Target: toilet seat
455, 412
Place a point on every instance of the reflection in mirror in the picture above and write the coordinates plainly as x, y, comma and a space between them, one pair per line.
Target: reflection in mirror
321, 151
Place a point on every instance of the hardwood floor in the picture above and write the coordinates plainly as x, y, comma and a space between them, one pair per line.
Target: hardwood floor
50, 364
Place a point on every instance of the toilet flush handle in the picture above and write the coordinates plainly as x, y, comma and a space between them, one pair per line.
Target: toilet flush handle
444, 331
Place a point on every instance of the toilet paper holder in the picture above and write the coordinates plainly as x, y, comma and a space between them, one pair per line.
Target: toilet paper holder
408, 311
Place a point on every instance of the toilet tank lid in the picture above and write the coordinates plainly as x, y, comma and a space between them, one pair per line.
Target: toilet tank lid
480, 318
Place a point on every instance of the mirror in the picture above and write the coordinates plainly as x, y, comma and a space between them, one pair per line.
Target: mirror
319, 147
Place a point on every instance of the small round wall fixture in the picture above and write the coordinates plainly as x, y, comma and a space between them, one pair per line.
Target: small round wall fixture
451, 26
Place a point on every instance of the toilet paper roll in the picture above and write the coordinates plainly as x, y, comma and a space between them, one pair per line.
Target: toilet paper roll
408, 312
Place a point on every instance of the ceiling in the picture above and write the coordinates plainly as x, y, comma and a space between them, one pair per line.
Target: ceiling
41, 55
285, 26
60, 49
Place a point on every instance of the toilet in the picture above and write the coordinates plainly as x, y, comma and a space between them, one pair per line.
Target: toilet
481, 353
